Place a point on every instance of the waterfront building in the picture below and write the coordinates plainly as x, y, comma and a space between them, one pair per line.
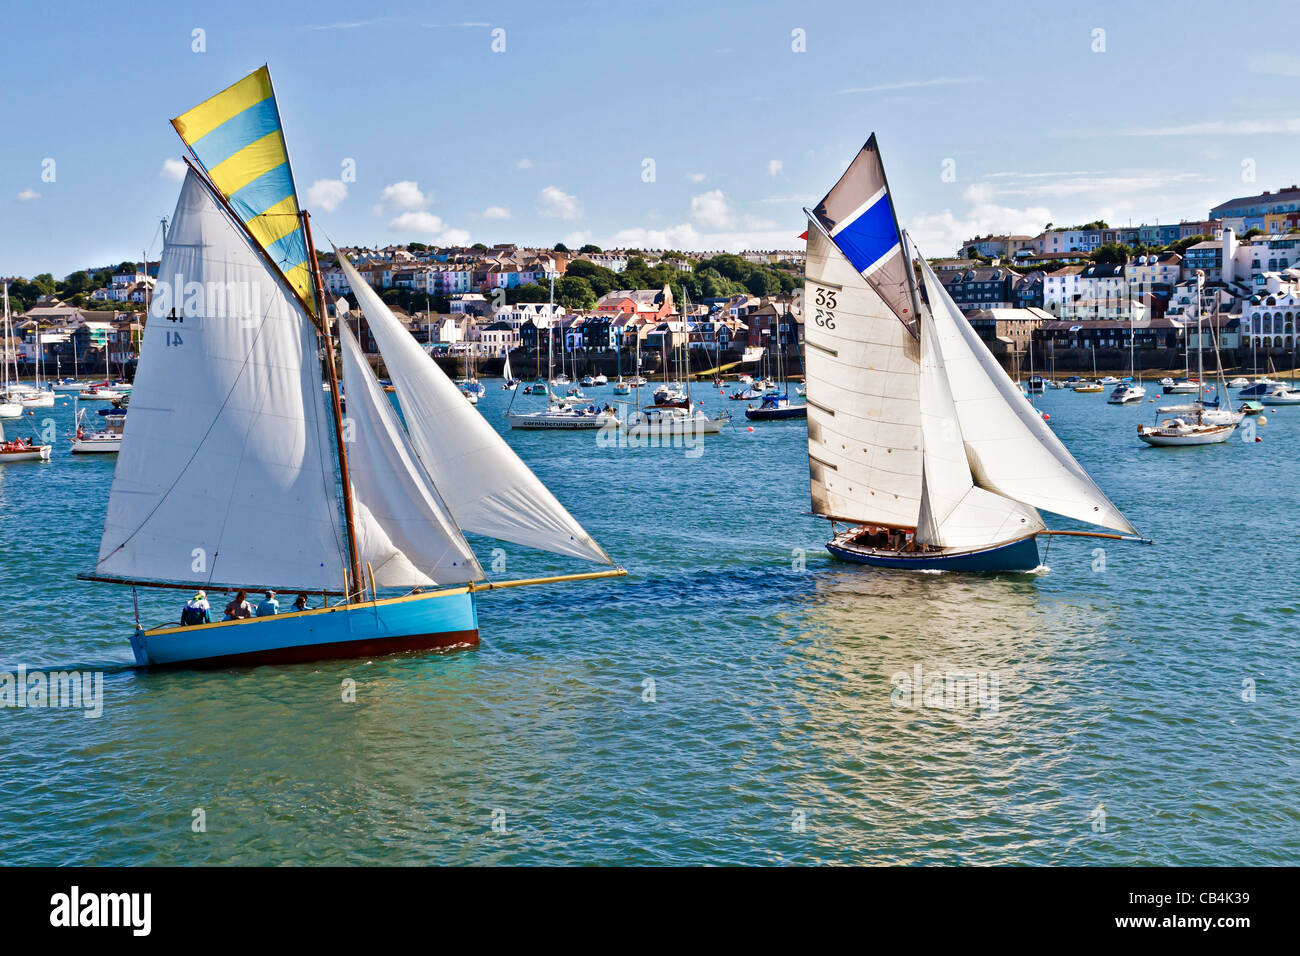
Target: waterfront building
985, 288
1009, 331
1256, 207
1269, 317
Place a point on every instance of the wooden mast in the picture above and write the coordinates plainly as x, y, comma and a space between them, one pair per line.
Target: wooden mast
354, 561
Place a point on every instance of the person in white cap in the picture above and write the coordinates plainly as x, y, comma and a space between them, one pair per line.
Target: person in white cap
196, 611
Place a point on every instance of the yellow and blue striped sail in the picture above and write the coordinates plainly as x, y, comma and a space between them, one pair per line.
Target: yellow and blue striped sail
236, 138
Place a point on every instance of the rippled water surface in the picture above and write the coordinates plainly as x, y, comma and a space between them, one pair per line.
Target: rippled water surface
771, 737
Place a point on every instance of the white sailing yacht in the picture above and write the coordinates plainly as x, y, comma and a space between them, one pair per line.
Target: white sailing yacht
673, 412
918, 440
10, 406
236, 473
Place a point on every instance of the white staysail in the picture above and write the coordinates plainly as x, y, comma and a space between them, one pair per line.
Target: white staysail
505, 369
954, 513
864, 426
483, 483
403, 532
226, 472
1008, 445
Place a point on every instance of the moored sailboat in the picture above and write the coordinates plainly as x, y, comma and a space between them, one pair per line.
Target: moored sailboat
236, 473
918, 440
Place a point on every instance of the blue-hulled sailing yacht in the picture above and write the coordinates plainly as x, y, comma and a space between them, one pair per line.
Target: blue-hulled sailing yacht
239, 472
923, 453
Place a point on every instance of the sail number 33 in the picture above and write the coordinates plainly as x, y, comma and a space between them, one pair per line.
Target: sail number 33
824, 306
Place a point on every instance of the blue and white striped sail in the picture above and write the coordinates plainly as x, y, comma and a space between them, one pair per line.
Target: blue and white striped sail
858, 215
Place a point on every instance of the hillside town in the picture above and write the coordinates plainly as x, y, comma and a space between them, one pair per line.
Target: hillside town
1092, 287
1075, 292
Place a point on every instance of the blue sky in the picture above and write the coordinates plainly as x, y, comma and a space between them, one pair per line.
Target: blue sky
547, 140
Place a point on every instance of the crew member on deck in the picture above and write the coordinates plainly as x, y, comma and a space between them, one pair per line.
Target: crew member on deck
239, 608
196, 611
300, 602
269, 606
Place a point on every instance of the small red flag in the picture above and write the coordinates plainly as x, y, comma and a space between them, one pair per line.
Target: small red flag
804, 234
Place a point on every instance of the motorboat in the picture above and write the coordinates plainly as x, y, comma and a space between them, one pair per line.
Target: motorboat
1126, 393
775, 408
1089, 387
562, 416
1282, 395
1183, 386
106, 439
23, 449
100, 393
599, 380
1259, 389
675, 419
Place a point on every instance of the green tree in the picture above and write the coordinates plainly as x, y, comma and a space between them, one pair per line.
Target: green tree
589, 248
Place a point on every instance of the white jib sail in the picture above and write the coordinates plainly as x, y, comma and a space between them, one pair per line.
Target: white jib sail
864, 426
403, 532
505, 369
954, 513
226, 473
483, 483
1009, 446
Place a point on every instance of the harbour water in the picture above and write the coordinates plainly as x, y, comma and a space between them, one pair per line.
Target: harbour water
735, 700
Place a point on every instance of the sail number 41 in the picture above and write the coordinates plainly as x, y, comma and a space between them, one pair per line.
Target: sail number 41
825, 305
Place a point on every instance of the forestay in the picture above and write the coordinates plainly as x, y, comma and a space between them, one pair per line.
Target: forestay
403, 532
483, 483
226, 473
1009, 447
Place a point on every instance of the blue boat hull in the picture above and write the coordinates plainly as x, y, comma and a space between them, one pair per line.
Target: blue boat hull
776, 414
446, 618
1019, 555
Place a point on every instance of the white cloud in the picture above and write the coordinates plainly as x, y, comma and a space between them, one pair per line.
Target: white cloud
1274, 63
428, 226
173, 169
327, 193
403, 195
1271, 126
711, 209
939, 234
675, 237
28, 194
911, 84
774, 167
696, 177
524, 163
576, 240
496, 212
555, 203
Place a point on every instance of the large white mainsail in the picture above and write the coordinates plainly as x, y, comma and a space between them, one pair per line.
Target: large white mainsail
864, 427
1010, 448
403, 532
954, 512
226, 472
483, 483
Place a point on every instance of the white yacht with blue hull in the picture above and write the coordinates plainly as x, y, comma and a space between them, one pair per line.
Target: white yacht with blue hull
238, 473
918, 439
